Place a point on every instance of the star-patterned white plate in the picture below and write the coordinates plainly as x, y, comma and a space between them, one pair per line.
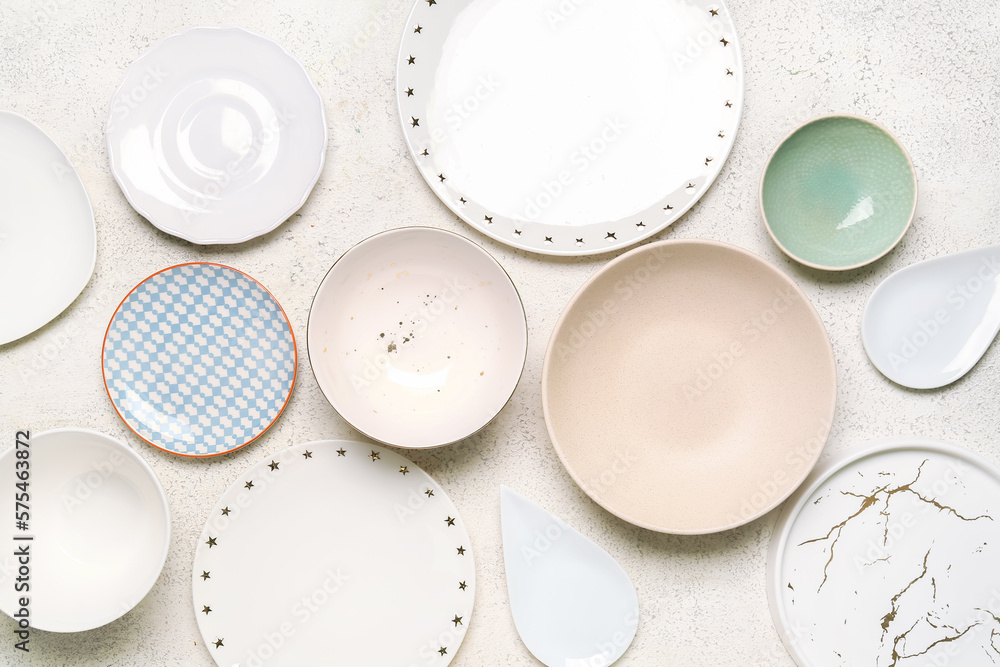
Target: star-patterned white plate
570, 128
334, 553
199, 359
888, 557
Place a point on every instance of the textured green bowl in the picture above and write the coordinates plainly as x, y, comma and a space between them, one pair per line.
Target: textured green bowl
838, 193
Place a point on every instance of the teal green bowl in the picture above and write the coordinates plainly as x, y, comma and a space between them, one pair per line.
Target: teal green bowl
838, 193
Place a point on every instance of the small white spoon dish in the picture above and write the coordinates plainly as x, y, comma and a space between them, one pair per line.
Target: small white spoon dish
929, 324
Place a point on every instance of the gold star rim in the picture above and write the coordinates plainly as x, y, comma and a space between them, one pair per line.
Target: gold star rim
211, 542
443, 651
461, 551
248, 485
429, 493
374, 456
307, 454
225, 511
462, 586
273, 466
403, 470
205, 575
341, 452
206, 610
218, 643
450, 521
457, 620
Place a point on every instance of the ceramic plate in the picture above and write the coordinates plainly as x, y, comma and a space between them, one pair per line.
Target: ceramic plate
199, 359
570, 128
573, 604
334, 553
888, 557
417, 337
216, 135
98, 529
838, 193
689, 387
46, 229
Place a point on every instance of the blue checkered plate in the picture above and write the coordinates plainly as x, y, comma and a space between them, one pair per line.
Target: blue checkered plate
199, 359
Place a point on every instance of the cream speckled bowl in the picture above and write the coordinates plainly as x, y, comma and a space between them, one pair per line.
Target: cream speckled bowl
689, 387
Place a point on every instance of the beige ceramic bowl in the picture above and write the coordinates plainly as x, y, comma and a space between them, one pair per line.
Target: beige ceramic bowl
689, 387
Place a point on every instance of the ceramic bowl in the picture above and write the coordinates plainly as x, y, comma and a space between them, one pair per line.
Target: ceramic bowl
417, 337
689, 387
838, 193
99, 524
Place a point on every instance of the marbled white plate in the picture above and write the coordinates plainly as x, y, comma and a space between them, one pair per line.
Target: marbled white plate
334, 553
199, 359
570, 128
888, 558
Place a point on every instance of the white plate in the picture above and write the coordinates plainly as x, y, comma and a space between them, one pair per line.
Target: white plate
570, 128
199, 359
888, 557
417, 337
100, 527
573, 604
334, 553
48, 242
216, 135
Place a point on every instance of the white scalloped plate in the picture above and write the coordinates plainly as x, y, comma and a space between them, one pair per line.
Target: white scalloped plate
216, 135
888, 557
334, 553
47, 229
570, 128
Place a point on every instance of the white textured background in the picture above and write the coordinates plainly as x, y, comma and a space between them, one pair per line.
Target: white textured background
928, 70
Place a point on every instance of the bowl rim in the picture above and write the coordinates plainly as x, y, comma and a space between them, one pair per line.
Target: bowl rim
778, 147
475, 247
670, 243
94, 622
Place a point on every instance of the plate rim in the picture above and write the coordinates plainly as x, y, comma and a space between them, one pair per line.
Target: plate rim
475, 247
649, 247
160, 494
190, 237
821, 474
653, 230
291, 386
92, 227
232, 486
778, 147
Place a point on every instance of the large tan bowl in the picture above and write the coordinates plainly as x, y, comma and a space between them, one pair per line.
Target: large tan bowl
689, 387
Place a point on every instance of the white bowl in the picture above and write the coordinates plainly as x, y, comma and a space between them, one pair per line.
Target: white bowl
100, 527
417, 337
